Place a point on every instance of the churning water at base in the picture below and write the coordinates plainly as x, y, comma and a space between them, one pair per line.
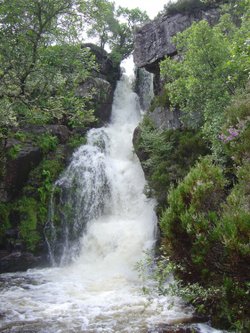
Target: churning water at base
99, 291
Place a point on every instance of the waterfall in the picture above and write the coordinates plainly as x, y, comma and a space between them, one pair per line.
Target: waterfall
101, 193
144, 87
106, 225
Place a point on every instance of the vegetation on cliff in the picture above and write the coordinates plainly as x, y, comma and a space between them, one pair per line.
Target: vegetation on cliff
205, 219
47, 99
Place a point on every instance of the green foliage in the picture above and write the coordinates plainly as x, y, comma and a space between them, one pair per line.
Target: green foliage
193, 209
208, 233
32, 208
21, 136
112, 26
122, 44
77, 140
38, 80
234, 226
47, 142
28, 210
168, 155
4, 217
237, 143
226, 300
214, 66
14, 151
187, 6
100, 19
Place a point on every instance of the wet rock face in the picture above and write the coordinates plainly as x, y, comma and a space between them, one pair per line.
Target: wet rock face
154, 40
107, 69
103, 82
18, 261
181, 325
28, 156
18, 169
163, 118
103, 96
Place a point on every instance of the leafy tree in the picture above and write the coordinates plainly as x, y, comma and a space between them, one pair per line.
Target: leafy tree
214, 66
38, 70
100, 17
112, 27
123, 43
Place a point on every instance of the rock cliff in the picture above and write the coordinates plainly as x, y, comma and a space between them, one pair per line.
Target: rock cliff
103, 82
153, 41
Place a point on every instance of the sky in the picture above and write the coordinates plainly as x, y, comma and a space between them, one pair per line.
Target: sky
152, 7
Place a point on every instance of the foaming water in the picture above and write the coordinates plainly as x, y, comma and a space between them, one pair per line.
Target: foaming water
99, 291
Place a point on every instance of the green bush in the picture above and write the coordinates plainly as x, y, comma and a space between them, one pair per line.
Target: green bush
236, 130
194, 205
234, 226
188, 6
14, 151
76, 141
47, 142
208, 232
167, 156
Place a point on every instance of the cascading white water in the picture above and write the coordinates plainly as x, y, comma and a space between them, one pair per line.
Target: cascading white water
100, 290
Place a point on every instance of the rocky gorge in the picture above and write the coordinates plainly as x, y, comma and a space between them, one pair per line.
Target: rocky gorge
193, 144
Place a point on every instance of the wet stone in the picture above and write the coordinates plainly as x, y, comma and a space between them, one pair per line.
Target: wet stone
164, 328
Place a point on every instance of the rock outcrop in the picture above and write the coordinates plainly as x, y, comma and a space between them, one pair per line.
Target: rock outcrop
103, 96
28, 155
102, 82
18, 261
153, 41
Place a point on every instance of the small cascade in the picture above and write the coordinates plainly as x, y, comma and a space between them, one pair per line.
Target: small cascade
144, 87
78, 197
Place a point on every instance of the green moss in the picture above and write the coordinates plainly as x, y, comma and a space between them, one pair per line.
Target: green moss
76, 141
21, 136
14, 151
28, 212
161, 100
47, 142
4, 217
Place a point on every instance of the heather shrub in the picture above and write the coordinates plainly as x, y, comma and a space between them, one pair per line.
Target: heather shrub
189, 222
